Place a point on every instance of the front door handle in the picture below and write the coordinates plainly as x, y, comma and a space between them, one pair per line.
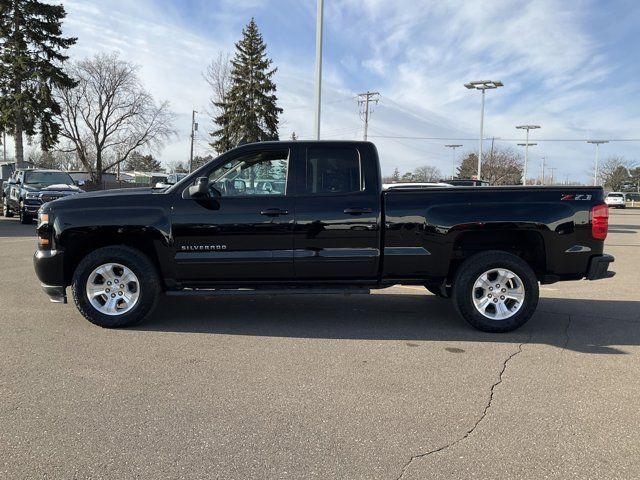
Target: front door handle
356, 210
273, 212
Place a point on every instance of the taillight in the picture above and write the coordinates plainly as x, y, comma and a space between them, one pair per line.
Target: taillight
599, 221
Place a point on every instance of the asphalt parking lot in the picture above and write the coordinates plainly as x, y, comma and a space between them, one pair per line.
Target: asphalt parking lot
351, 387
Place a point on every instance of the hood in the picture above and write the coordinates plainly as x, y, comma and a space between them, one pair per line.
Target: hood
119, 192
106, 198
60, 187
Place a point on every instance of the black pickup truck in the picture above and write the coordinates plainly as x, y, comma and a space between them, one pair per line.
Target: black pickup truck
27, 190
313, 217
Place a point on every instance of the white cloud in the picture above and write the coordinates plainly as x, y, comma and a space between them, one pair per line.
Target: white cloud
417, 53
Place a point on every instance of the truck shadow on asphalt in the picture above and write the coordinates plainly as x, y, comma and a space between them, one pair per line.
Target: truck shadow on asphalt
588, 326
11, 227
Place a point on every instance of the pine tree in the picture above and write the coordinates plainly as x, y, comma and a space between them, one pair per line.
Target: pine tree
142, 163
31, 54
249, 111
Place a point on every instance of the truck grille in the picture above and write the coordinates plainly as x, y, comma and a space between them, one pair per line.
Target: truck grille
49, 197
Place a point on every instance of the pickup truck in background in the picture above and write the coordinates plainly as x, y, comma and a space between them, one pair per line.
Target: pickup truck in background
313, 217
27, 190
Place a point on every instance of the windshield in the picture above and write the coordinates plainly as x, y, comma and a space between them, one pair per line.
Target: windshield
47, 178
615, 195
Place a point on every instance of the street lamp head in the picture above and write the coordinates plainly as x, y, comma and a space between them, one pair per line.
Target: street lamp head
597, 142
483, 84
528, 127
527, 144
453, 146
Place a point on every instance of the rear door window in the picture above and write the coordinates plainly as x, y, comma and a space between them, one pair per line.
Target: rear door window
333, 171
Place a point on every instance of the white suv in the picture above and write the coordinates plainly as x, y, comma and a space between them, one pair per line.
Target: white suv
615, 199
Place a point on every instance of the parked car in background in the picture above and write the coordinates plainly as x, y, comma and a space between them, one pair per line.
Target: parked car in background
388, 186
615, 199
468, 183
27, 190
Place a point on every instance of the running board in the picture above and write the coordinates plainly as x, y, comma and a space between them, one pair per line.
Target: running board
218, 292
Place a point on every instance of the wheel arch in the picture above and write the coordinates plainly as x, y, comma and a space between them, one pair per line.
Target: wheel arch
78, 243
529, 245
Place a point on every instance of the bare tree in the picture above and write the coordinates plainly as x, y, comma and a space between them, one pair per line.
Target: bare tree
426, 173
502, 167
218, 76
615, 173
110, 114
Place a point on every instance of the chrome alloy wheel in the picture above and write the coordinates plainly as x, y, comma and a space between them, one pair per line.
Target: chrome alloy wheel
113, 289
498, 294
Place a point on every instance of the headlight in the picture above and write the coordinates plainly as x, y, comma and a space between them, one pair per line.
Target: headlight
43, 218
32, 195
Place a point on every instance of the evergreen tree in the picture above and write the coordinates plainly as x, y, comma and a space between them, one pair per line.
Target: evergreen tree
395, 177
143, 163
249, 111
31, 54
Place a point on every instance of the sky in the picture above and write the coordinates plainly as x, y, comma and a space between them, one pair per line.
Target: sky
572, 67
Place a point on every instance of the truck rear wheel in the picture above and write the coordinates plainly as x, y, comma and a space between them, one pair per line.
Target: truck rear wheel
495, 291
115, 286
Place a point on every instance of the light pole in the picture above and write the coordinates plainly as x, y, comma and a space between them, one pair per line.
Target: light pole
482, 85
194, 128
526, 148
544, 164
597, 143
453, 165
319, 15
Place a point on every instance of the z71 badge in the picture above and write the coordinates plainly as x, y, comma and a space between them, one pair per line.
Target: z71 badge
576, 196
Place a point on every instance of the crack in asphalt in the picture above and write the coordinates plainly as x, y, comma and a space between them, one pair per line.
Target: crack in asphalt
475, 425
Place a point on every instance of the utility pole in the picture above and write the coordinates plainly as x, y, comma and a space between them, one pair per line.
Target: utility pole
597, 143
319, 16
526, 148
553, 169
453, 164
482, 85
194, 129
4, 146
544, 162
566, 179
365, 99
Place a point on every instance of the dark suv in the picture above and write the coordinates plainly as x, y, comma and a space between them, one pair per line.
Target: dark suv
27, 190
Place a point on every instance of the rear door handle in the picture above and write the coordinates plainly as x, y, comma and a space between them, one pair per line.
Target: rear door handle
273, 212
356, 210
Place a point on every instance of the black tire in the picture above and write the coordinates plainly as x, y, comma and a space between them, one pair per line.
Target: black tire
437, 291
25, 218
463, 290
6, 211
149, 290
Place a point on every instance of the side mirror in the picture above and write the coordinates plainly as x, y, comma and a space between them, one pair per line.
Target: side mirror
80, 183
200, 189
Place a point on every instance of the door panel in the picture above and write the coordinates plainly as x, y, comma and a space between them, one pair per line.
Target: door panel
337, 234
236, 241
244, 230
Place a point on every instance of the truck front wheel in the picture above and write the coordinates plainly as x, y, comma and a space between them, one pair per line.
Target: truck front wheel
495, 291
115, 286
